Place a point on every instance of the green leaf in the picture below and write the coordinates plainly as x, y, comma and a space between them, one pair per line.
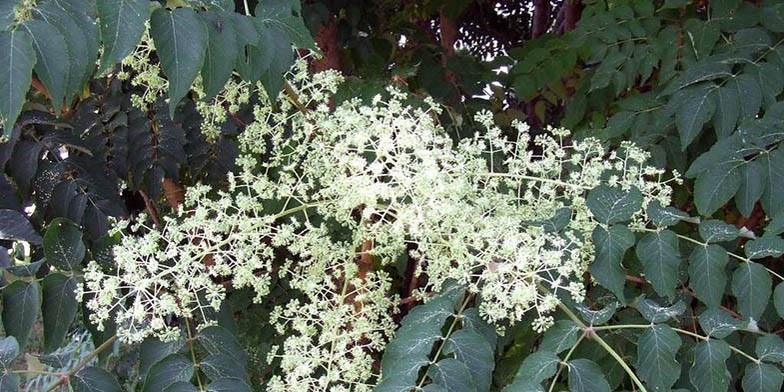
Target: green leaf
9, 382
606, 268
285, 16
520, 385
660, 257
278, 56
169, 370
750, 93
228, 385
770, 348
122, 26
706, 273
762, 377
9, 351
218, 340
21, 302
217, 366
751, 187
59, 308
778, 299
537, 367
773, 196
714, 188
726, 117
6, 13
15, 226
414, 340
16, 74
702, 35
656, 363
696, 109
561, 336
181, 386
53, 59
476, 353
597, 317
95, 379
717, 323
664, 216
63, 244
752, 286
707, 69
714, 230
180, 40
765, 246
452, 375
221, 53
611, 205
709, 370
152, 351
654, 313
76, 44
586, 376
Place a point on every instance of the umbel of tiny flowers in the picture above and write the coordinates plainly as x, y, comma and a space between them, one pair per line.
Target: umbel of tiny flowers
385, 172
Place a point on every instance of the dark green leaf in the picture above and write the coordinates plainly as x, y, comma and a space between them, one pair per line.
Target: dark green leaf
713, 230
452, 375
221, 53
660, 257
714, 188
21, 302
773, 195
9, 351
561, 336
59, 308
63, 244
696, 109
706, 273
285, 16
726, 117
181, 386
611, 245
171, 369
765, 246
586, 376
152, 350
53, 59
770, 348
761, 377
664, 216
597, 317
95, 379
180, 40
778, 299
752, 286
656, 362
717, 323
611, 205
228, 385
709, 370
752, 185
749, 92
476, 353
537, 367
655, 313
217, 366
16, 74
9, 382
15, 226
76, 43
122, 26
218, 340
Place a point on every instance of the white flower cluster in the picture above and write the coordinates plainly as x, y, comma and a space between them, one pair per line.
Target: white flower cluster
329, 188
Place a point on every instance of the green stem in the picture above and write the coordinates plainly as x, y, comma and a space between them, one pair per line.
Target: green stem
606, 347
446, 337
67, 376
193, 354
563, 363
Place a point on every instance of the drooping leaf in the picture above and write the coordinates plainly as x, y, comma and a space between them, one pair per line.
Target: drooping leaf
95, 379
660, 257
611, 205
750, 93
16, 74
728, 111
75, 40
218, 340
180, 39
714, 188
152, 351
53, 59
761, 377
696, 109
709, 372
611, 245
706, 273
20, 310
586, 376
15, 226
59, 308
122, 26
221, 52
63, 244
656, 362
752, 287
285, 16
169, 370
